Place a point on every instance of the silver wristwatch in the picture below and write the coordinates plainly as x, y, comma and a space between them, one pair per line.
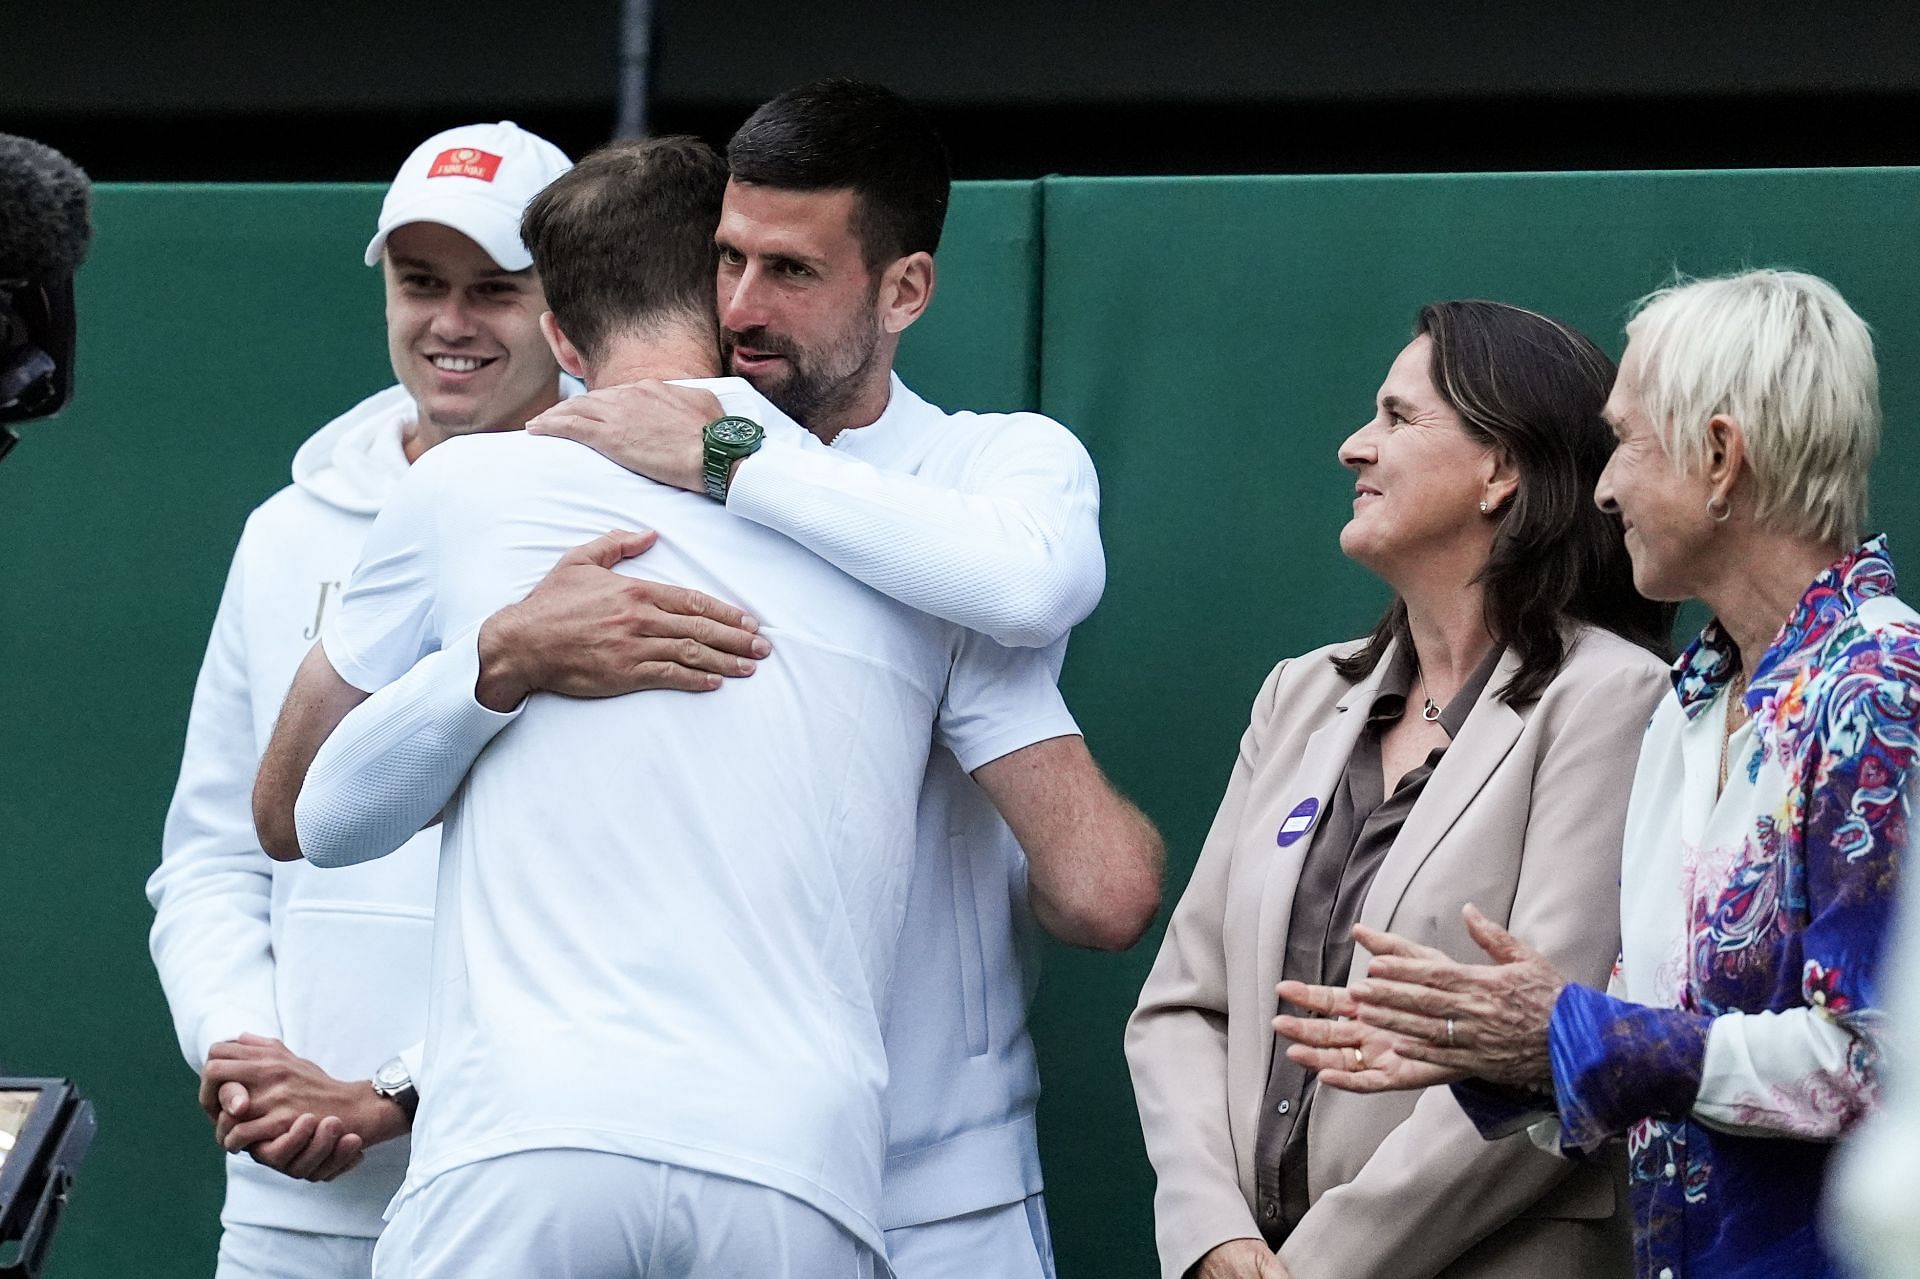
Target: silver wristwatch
395, 1082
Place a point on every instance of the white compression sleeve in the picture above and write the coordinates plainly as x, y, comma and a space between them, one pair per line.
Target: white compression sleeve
393, 763
1018, 560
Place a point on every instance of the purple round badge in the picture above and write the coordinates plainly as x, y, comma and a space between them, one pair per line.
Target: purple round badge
1298, 822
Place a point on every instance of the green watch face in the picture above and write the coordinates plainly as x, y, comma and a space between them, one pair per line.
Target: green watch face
735, 431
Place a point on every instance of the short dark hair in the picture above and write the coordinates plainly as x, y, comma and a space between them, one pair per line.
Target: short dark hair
624, 239
1533, 388
844, 135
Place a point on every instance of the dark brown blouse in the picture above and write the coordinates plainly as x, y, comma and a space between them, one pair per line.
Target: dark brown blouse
1354, 837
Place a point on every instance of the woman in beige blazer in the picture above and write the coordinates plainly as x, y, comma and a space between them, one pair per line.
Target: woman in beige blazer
1478, 746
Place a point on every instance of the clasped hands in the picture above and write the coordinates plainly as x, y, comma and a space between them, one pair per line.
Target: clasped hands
1419, 1018
288, 1113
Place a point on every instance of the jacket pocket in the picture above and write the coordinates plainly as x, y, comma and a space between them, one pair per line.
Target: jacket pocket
350, 980
970, 948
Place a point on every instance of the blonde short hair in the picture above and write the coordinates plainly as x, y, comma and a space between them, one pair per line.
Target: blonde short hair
1782, 354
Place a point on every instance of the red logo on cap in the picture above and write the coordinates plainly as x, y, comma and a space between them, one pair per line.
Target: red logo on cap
465, 162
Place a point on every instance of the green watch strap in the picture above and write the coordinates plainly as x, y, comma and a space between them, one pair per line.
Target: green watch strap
727, 440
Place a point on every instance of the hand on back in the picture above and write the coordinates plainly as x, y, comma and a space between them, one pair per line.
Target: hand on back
587, 631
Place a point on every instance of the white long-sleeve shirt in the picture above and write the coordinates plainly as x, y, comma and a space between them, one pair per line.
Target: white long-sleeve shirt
986, 520
990, 521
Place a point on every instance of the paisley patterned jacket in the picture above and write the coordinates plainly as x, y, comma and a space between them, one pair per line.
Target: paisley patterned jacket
1737, 1039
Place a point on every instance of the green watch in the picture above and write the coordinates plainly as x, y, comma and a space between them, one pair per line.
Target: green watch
727, 440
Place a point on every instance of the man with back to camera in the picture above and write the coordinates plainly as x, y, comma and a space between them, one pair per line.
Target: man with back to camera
666, 924
247, 951
834, 210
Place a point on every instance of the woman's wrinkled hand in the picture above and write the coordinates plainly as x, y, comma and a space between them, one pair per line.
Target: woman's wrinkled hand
1350, 1054
1485, 1020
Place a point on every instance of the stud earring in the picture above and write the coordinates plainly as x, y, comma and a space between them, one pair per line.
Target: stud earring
1483, 508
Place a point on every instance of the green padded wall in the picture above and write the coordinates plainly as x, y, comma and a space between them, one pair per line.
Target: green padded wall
218, 327
979, 346
1213, 341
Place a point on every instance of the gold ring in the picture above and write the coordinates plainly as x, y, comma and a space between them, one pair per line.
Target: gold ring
1359, 1059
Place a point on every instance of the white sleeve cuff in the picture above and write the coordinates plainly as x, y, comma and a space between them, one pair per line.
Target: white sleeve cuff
393, 764
1002, 742
223, 1024
754, 491
1782, 1074
1545, 1134
344, 658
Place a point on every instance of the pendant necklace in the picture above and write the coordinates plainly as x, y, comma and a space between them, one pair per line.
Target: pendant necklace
1428, 710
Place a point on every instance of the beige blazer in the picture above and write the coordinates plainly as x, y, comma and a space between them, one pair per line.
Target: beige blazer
1523, 818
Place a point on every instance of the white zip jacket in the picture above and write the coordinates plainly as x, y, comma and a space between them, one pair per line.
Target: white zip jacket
332, 962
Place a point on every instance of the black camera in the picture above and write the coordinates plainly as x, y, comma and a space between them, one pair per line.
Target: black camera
46, 1128
44, 231
36, 348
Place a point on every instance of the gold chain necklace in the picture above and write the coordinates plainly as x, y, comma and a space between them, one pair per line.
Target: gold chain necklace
1735, 716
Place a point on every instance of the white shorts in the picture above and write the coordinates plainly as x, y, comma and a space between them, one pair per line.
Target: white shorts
585, 1214
263, 1252
1008, 1242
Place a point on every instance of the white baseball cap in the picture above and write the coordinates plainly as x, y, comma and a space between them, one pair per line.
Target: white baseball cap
477, 179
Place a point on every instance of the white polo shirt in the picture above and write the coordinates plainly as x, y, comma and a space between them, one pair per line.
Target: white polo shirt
666, 923
964, 1084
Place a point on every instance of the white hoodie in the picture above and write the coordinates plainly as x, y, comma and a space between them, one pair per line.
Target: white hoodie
333, 962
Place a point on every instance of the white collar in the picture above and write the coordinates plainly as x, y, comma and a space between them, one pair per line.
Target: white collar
895, 436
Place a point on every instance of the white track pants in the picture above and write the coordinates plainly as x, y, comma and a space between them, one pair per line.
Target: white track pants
1008, 1242
262, 1252
584, 1214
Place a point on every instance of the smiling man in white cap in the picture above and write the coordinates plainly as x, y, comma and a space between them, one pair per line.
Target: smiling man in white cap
301, 1005
318, 989
463, 302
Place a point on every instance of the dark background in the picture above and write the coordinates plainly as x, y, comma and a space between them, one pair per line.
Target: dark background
338, 91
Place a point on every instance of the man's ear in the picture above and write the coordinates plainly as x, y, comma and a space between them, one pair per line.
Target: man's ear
563, 349
905, 291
